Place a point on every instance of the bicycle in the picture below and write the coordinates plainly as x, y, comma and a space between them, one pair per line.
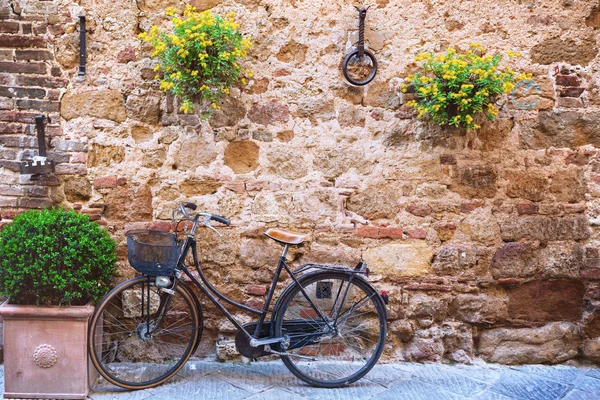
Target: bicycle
328, 326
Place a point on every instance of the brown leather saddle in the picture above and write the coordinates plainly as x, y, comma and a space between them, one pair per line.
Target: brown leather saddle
285, 237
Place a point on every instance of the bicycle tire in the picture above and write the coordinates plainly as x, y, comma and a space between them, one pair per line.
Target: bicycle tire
342, 361
119, 347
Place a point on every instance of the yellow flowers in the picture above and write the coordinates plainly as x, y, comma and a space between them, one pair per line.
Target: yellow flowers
457, 87
166, 85
200, 57
513, 53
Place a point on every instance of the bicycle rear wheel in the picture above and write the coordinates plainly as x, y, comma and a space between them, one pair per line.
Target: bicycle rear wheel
341, 342
127, 347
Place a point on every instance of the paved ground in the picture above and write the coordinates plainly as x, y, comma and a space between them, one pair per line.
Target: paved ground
272, 381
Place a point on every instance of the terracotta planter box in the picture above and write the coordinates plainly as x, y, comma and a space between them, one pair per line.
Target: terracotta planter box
45, 351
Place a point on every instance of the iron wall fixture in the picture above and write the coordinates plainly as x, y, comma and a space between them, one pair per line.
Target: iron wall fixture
40, 164
82, 48
360, 65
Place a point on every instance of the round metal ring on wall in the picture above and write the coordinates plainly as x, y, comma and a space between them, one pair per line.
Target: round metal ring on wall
45, 356
369, 78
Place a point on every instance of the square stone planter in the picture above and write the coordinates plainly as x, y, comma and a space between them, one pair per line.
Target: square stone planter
45, 352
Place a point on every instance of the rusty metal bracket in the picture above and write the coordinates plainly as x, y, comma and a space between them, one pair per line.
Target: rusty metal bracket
359, 53
82, 46
40, 164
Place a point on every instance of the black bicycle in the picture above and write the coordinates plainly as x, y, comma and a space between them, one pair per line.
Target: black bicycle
328, 326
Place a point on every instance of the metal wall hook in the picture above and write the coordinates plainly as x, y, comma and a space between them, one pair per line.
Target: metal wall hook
82, 46
360, 56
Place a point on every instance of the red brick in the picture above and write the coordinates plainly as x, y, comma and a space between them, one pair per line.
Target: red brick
571, 92
14, 116
10, 213
27, 29
161, 226
22, 68
256, 303
9, 27
447, 159
527, 208
574, 208
56, 30
391, 233
19, 41
122, 181
258, 290
71, 169
105, 182
35, 55
78, 158
11, 128
568, 80
77, 206
427, 287
368, 231
569, 102
42, 81
41, 105
468, 207
420, 210
22, 92
40, 29
591, 273
541, 301
26, 202
53, 94
416, 233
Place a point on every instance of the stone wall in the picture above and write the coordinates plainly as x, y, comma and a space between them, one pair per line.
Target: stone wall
487, 241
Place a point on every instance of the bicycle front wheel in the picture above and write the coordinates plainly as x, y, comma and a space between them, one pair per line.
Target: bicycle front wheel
336, 329
140, 335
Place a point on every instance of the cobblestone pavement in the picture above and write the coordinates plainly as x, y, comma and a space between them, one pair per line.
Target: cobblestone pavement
201, 380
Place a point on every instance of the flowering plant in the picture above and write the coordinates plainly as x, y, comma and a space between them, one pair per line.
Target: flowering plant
200, 57
456, 88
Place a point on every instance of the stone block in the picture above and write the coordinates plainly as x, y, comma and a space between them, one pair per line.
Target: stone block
543, 228
269, 113
530, 185
400, 259
376, 202
144, 108
513, 260
422, 306
454, 261
480, 308
242, 156
95, 102
476, 181
541, 301
550, 344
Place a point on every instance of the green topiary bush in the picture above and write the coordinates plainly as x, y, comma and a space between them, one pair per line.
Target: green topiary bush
55, 257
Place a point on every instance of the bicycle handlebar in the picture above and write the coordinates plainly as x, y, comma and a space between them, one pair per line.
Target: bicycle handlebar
192, 206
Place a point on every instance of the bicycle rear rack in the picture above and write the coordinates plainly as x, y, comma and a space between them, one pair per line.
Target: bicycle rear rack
361, 268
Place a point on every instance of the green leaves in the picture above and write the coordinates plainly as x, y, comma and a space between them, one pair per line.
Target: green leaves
460, 88
55, 257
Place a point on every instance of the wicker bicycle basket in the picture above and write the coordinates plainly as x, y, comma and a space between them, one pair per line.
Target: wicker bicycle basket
152, 252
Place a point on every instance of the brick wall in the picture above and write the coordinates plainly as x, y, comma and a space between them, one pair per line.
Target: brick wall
31, 83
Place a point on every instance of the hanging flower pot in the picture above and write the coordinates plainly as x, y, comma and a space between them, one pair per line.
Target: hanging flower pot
199, 59
460, 89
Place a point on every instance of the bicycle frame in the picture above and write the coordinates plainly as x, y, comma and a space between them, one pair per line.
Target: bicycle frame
215, 296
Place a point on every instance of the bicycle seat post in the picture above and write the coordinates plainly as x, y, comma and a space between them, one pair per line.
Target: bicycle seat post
285, 250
